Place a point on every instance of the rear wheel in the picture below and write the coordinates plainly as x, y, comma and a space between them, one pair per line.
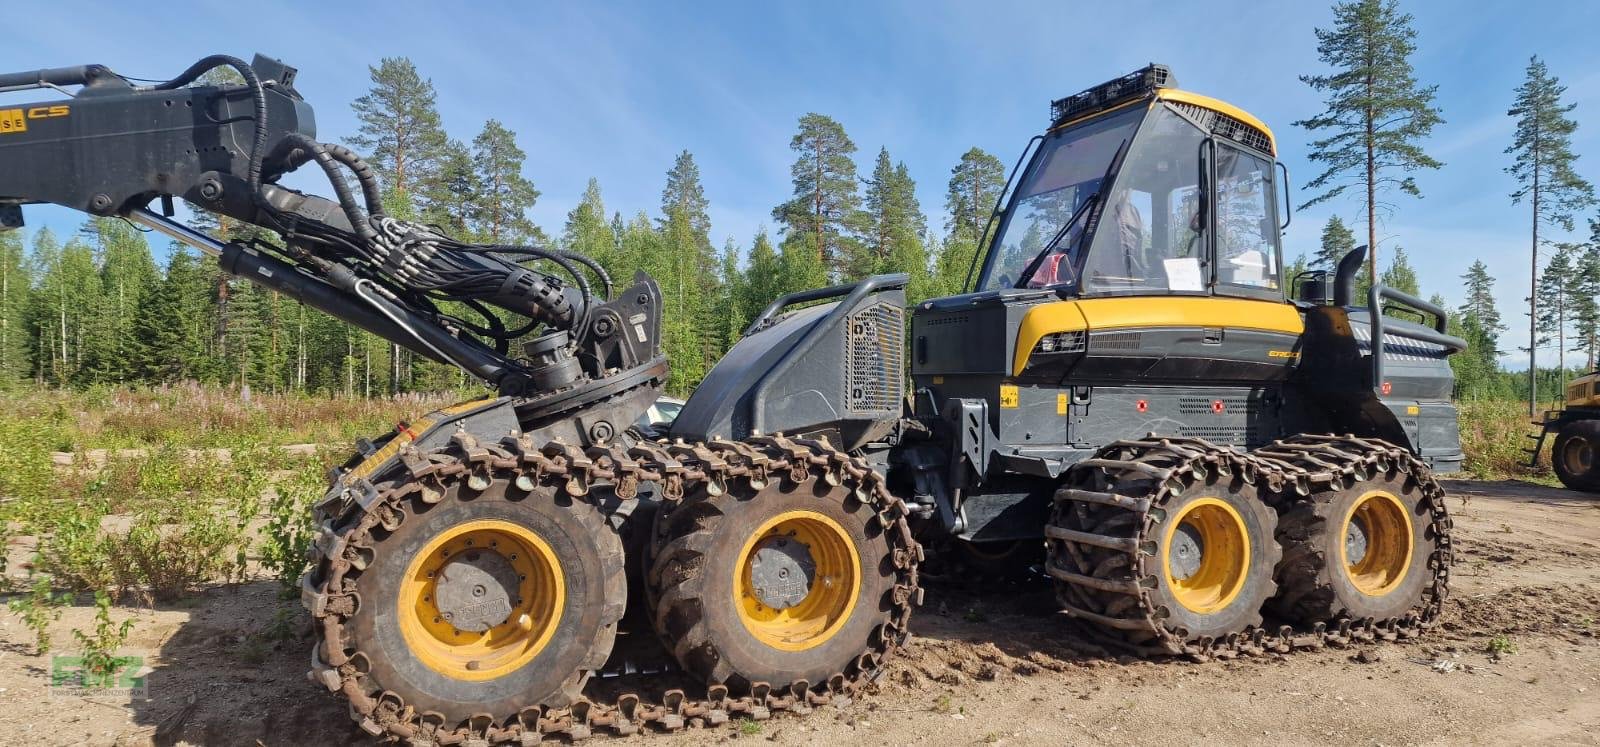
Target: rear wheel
781, 584
489, 601
1360, 552
1574, 455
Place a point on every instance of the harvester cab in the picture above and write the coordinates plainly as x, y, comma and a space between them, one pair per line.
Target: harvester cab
1128, 396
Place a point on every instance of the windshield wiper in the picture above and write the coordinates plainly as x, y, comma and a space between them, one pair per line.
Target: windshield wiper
1038, 259
1092, 200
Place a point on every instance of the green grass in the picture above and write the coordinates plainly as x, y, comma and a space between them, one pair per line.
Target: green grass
208, 495
194, 487
1493, 436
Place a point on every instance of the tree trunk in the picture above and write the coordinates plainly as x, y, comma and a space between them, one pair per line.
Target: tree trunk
1533, 289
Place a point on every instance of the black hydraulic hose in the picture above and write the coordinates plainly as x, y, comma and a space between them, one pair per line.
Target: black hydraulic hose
599, 272
257, 94
341, 189
365, 176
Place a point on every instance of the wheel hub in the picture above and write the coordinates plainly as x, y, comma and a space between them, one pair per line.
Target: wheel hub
781, 572
476, 590
1188, 550
1355, 540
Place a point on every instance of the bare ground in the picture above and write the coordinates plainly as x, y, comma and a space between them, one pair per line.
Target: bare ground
993, 667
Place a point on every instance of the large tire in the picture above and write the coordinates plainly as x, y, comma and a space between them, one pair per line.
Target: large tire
1576, 455
1159, 543
1362, 552
579, 549
702, 602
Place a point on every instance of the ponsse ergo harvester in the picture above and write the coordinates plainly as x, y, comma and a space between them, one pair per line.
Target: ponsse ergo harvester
1210, 467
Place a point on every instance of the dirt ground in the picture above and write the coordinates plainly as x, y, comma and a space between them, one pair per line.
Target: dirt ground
997, 667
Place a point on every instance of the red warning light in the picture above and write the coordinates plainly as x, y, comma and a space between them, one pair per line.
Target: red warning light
1386, 387
1217, 406
1141, 406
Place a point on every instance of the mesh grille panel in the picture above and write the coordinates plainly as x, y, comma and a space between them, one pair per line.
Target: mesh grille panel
1116, 340
1225, 126
875, 360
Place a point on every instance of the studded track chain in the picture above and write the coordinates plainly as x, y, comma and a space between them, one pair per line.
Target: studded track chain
609, 477
1286, 471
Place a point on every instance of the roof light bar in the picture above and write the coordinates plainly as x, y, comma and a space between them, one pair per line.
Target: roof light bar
1112, 92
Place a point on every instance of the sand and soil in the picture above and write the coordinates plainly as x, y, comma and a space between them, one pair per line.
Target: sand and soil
1516, 659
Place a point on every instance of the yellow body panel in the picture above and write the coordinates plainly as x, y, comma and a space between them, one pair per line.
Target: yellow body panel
1584, 391
1222, 107
1094, 314
416, 429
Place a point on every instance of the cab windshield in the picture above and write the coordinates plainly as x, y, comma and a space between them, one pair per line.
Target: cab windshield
1052, 204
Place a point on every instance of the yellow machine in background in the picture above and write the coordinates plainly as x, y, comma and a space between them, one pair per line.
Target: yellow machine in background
1577, 429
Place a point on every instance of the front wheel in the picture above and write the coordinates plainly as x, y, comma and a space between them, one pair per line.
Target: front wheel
1574, 455
487, 601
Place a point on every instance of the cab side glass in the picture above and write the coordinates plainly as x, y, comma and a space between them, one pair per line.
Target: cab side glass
1247, 231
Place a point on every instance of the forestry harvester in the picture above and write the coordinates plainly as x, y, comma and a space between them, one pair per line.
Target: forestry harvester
1210, 464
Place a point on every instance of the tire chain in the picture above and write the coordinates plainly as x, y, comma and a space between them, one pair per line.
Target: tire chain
1289, 470
678, 469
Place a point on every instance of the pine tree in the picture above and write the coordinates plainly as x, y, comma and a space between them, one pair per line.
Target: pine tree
405, 142
1337, 241
175, 322
504, 196
588, 233
895, 226
1542, 166
1585, 308
400, 133
825, 211
1479, 319
128, 276
763, 278
1556, 289
1400, 275
448, 195
1377, 114
975, 184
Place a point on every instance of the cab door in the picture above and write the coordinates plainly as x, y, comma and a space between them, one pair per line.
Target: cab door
1246, 253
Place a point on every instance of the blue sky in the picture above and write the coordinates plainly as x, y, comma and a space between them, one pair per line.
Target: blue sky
614, 91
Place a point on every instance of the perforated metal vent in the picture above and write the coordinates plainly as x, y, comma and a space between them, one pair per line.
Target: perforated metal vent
1116, 341
874, 358
1223, 125
1215, 406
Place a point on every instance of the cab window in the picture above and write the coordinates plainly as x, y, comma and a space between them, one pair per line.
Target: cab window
1150, 235
1247, 231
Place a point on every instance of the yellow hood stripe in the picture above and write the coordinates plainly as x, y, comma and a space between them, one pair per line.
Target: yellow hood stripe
1134, 312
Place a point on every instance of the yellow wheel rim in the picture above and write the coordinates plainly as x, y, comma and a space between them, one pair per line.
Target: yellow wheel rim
1375, 543
1207, 565
834, 583
535, 606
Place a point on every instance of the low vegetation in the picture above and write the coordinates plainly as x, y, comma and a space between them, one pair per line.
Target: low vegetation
143, 496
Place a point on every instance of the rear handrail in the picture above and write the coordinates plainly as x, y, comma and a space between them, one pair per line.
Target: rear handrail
879, 282
1436, 336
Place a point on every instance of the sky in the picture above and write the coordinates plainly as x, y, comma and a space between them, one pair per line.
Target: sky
615, 90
